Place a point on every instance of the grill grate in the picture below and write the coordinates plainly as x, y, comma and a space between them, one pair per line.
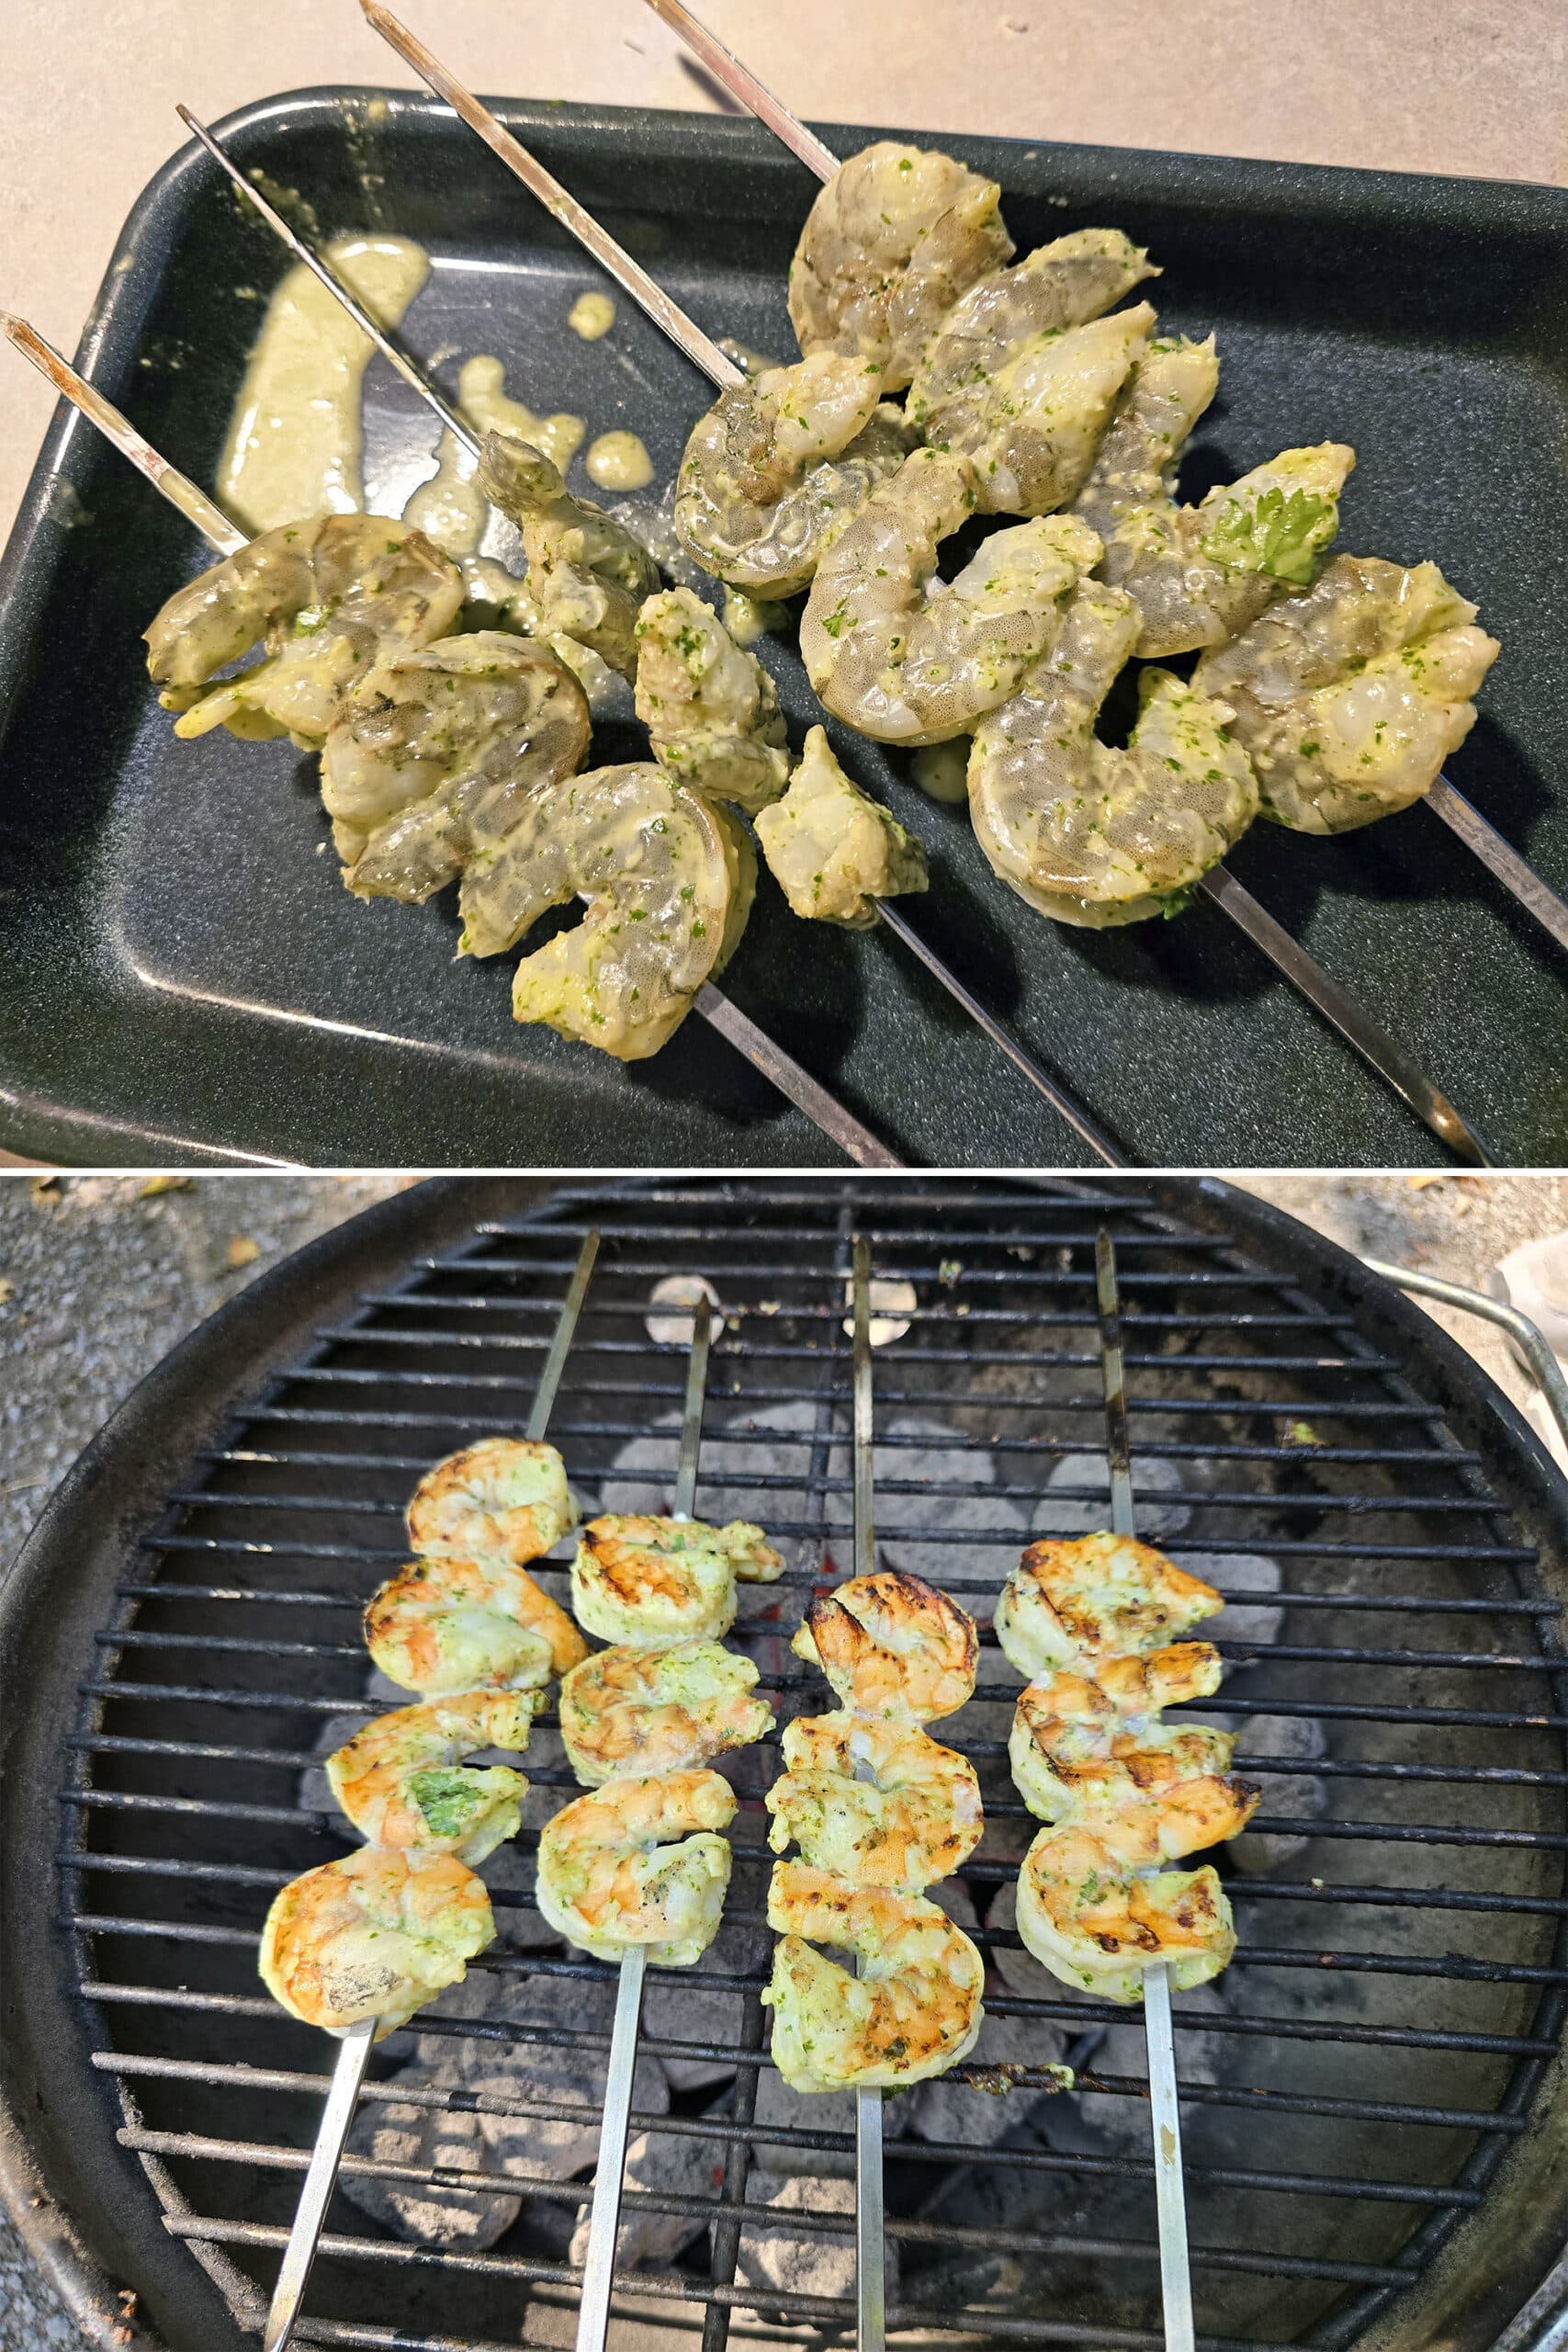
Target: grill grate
1399, 1988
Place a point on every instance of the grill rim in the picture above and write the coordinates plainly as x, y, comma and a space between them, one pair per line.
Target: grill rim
60, 2159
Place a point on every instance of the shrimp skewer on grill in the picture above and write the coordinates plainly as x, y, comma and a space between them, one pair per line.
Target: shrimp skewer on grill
842, 1128
1368, 1037
1252, 532
359, 1945
1093, 1620
879, 1811
609, 1879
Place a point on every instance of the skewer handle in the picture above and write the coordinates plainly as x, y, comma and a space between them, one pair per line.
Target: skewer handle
556, 199
604, 2223
320, 2177
841, 1127
1354, 1023
566, 1332
1171, 2196
336, 285
177, 488
742, 83
685, 1495
1078, 1119
1501, 858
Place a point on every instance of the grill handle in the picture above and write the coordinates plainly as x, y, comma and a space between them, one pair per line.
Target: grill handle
1542, 1363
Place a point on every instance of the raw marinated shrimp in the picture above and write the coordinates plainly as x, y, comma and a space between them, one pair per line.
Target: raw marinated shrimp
652, 1582
664, 1711
1087, 1917
710, 709
587, 575
434, 752
1200, 573
909, 666
1350, 697
1075, 1600
1032, 422
914, 2012
669, 880
504, 1495
833, 852
607, 1880
374, 1934
1091, 835
893, 1646
1063, 284
1078, 1742
326, 598
446, 1625
401, 1781
916, 1819
889, 245
778, 467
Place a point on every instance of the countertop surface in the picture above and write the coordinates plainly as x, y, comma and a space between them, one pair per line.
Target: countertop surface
1462, 86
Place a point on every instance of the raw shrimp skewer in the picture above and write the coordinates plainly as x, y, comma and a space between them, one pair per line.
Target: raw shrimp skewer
1165, 2112
605, 2219
871, 2235
1461, 816
839, 1125
1078, 1119
353, 2053
1324, 993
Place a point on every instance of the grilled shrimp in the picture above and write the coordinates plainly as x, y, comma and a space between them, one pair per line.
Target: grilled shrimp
1091, 835
892, 1646
401, 1781
587, 575
779, 464
911, 665
1031, 422
443, 1625
916, 1819
376, 1934
435, 751
1087, 1598
607, 1879
1150, 1799
913, 2012
649, 1582
710, 709
833, 852
1200, 573
669, 880
1079, 1742
662, 1711
326, 598
1349, 697
891, 242
504, 1496
1063, 284
1091, 1921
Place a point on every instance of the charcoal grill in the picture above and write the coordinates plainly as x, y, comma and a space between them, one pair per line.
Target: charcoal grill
1375, 2135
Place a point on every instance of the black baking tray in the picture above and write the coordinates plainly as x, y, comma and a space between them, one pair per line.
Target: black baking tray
183, 977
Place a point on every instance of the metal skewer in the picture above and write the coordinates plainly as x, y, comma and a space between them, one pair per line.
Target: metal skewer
1287, 954
605, 2217
838, 1124
725, 374
1535, 896
871, 2238
354, 2056
1176, 2277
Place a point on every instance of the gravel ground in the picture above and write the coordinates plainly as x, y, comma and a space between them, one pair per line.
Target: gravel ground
99, 1278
